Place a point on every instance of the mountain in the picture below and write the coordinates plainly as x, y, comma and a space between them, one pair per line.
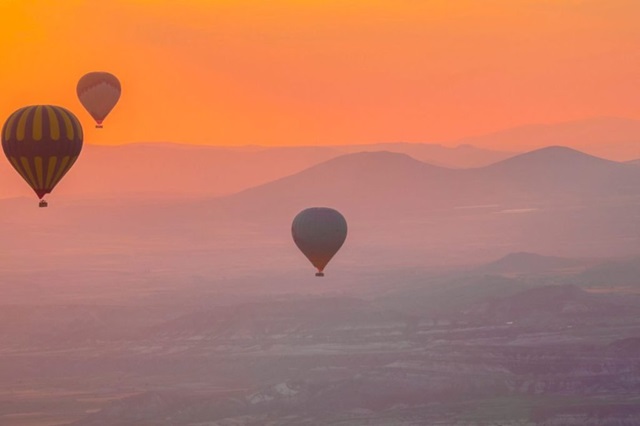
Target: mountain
370, 183
563, 171
401, 213
461, 156
555, 200
607, 137
385, 184
164, 169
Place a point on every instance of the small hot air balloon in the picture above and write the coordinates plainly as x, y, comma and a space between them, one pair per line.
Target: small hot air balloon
319, 232
99, 93
42, 142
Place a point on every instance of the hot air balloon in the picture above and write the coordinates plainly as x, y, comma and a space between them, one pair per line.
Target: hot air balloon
319, 232
99, 93
42, 142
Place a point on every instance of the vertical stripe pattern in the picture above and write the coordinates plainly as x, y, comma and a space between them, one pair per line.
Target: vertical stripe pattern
42, 142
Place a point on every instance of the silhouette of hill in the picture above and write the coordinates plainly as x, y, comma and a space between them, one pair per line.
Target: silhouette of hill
551, 158
563, 171
461, 156
537, 201
400, 211
165, 169
609, 137
360, 182
396, 185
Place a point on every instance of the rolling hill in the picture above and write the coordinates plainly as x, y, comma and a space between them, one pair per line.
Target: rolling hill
174, 170
609, 137
401, 212
385, 184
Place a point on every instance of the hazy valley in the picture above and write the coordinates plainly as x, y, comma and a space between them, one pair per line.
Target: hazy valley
144, 308
320, 213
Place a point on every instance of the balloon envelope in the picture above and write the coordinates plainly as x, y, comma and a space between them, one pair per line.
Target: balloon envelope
42, 142
319, 232
99, 93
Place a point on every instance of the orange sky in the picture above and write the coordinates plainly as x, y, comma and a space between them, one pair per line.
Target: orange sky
286, 72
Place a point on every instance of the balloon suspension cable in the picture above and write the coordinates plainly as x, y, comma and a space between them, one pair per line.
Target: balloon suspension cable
319, 274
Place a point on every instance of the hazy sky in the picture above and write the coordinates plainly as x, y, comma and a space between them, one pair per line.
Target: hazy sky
288, 72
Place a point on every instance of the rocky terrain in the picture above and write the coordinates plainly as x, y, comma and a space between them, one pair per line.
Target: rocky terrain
438, 311
526, 349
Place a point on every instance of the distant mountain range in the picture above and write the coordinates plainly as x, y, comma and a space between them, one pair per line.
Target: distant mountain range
164, 169
608, 137
392, 185
167, 169
401, 212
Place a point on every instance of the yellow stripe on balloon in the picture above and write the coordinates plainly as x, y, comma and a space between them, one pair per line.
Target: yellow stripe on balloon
72, 162
22, 124
27, 169
68, 167
16, 166
37, 161
54, 125
67, 123
61, 170
79, 127
50, 169
8, 130
36, 127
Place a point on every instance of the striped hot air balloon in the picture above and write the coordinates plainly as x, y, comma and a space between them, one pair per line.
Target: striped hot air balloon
99, 92
42, 142
319, 232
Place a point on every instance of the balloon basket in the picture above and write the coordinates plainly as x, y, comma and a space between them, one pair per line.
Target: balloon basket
43, 203
319, 274
99, 126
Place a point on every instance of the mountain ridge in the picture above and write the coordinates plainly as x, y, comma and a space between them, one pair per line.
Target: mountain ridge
614, 138
556, 170
179, 169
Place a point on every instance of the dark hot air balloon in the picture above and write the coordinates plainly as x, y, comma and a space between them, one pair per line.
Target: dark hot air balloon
319, 232
99, 93
42, 142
